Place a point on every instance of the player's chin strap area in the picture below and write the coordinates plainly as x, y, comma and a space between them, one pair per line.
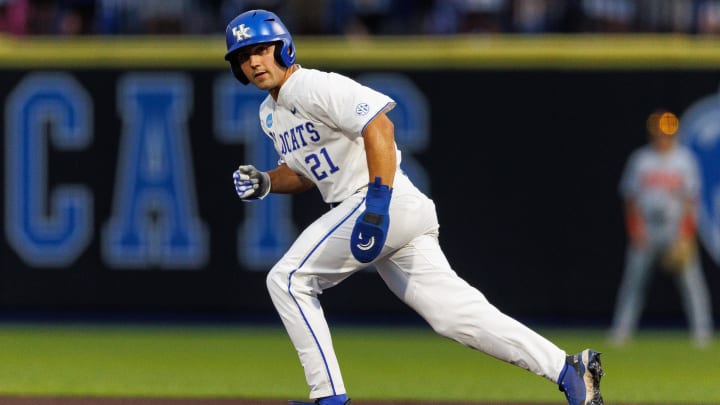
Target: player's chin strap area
335, 204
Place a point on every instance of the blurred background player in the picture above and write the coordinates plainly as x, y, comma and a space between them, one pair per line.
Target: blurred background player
659, 186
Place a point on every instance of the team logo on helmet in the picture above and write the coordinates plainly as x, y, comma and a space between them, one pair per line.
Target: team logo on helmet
256, 27
241, 32
700, 132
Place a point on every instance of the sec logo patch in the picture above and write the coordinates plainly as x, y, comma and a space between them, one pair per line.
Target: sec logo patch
362, 109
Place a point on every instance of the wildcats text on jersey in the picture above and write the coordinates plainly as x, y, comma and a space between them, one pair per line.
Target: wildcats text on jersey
295, 138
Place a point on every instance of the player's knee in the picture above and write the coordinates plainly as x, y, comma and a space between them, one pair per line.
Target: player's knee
442, 328
276, 281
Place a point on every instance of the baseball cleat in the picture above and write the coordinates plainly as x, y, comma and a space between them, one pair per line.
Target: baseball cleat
580, 378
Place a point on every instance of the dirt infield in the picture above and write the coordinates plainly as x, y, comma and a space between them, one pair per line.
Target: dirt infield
8, 400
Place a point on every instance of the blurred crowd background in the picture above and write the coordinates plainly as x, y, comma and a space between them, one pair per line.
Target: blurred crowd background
362, 17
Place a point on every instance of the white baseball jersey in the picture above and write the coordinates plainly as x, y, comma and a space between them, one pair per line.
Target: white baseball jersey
660, 183
318, 134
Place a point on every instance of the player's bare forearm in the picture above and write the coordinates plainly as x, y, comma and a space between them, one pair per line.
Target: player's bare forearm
379, 138
284, 180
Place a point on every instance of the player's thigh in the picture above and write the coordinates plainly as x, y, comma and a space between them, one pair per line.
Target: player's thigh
420, 275
412, 215
320, 256
419, 263
639, 262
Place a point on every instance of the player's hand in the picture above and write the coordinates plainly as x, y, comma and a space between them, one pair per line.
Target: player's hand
370, 231
250, 183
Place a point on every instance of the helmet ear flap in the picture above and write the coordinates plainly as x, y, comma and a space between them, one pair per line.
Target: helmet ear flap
284, 53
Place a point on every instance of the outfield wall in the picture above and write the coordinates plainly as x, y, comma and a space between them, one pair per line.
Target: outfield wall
118, 155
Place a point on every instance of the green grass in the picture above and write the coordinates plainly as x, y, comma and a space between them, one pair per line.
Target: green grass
379, 363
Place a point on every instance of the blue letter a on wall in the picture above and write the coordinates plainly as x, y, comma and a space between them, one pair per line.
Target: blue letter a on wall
154, 220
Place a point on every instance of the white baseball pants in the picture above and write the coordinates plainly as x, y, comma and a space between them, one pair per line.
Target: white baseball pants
414, 267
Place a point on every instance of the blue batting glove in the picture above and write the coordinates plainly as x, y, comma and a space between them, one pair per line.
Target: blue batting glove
370, 231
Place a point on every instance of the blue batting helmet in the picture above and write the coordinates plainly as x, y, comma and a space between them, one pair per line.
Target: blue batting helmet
257, 27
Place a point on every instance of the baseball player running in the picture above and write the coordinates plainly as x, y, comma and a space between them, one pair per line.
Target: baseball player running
660, 186
333, 134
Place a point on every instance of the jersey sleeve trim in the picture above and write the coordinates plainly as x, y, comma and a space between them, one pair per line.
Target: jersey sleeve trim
389, 106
